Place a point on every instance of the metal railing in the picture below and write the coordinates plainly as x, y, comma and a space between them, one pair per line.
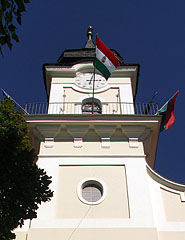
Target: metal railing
105, 108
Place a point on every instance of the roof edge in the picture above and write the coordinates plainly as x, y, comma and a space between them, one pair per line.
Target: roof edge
164, 181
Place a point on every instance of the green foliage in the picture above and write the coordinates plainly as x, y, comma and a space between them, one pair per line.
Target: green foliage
10, 14
23, 186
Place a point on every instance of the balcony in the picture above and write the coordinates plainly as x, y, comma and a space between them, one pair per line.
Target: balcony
87, 108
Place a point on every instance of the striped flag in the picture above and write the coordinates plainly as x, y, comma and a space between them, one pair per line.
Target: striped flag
105, 60
167, 112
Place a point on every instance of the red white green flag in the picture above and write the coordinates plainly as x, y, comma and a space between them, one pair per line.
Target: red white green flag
167, 112
105, 60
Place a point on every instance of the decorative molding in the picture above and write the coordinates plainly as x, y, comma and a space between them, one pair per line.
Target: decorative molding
78, 142
133, 131
36, 133
133, 143
147, 133
105, 131
77, 131
105, 142
48, 130
49, 143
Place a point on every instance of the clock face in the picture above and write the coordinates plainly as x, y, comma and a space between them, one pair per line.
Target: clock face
85, 80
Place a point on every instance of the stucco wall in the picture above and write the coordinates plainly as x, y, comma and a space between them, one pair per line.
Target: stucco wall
72, 95
173, 206
171, 235
115, 204
95, 233
88, 148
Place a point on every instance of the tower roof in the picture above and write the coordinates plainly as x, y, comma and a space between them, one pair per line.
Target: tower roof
73, 56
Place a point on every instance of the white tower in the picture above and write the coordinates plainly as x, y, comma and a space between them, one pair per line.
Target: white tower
101, 164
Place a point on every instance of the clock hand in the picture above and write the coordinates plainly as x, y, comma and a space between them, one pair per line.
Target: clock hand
91, 79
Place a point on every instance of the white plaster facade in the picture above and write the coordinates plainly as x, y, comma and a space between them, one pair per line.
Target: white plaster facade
116, 148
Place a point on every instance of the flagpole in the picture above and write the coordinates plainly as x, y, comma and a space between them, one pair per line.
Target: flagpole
8, 96
163, 106
20, 107
94, 80
93, 89
148, 105
168, 100
107, 62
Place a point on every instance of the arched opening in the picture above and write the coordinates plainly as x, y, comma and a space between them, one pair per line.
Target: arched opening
90, 105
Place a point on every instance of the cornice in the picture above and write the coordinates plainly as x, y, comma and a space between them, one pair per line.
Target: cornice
163, 181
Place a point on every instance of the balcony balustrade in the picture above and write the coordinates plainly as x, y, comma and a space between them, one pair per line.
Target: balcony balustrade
104, 108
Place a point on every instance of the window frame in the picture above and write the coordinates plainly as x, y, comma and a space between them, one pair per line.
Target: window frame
95, 182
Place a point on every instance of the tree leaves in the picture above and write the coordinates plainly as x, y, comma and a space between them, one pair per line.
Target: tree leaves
23, 186
15, 37
10, 15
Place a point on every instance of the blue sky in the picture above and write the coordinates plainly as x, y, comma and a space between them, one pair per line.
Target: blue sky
151, 33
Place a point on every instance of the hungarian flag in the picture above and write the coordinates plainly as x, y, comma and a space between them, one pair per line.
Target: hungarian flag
105, 60
167, 112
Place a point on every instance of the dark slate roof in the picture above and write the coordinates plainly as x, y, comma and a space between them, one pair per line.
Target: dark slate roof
73, 56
